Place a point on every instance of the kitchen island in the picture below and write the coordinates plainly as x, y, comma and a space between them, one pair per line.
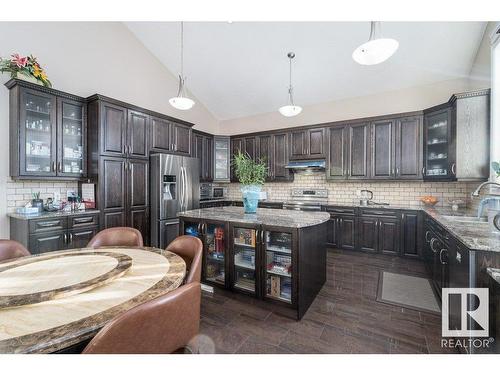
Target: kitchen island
275, 255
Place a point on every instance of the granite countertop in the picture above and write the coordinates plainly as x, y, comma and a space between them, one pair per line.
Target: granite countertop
494, 274
46, 214
476, 235
264, 216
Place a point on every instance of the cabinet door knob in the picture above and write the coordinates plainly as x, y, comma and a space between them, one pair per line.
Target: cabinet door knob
71, 237
453, 166
53, 166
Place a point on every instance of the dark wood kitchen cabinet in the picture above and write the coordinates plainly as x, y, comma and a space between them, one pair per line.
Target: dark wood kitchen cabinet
457, 138
51, 233
368, 234
112, 130
349, 152
123, 193
411, 234
280, 158
203, 149
170, 137
378, 231
160, 135
265, 153
47, 133
358, 152
181, 139
246, 145
408, 147
338, 146
307, 144
273, 149
284, 266
341, 228
137, 135
382, 149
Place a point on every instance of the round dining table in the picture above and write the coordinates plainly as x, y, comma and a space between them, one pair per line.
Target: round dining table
56, 301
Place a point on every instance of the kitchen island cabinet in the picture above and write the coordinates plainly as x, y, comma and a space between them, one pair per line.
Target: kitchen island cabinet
275, 255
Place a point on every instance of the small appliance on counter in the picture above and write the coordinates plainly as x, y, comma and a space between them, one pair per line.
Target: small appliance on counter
365, 197
205, 191
218, 192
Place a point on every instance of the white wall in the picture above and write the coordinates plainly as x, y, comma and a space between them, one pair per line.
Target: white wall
89, 58
410, 99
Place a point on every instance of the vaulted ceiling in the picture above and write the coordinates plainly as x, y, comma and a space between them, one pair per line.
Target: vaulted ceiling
241, 69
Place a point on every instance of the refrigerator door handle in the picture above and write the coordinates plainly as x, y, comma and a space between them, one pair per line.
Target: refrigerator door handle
185, 189
182, 189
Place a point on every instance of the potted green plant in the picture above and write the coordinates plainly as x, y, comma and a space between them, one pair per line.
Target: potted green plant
251, 174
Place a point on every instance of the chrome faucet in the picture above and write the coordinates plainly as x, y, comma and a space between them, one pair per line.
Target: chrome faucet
475, 193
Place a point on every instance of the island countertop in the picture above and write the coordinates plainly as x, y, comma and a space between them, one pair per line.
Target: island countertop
264, 216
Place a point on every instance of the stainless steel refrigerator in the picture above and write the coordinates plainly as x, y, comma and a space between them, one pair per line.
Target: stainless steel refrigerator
175, 187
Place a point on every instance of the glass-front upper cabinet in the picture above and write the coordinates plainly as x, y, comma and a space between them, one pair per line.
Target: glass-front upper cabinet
278, 263
48, 132
221, 159
438, 163
38, 129
245, 243
71, 138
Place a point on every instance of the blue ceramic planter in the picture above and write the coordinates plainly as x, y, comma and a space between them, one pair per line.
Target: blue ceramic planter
250, 198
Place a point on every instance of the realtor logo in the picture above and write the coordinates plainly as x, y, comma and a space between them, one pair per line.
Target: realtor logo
465, 312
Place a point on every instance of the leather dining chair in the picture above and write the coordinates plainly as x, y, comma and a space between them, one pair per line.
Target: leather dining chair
117, 236
163, 325
190, 249
12, 249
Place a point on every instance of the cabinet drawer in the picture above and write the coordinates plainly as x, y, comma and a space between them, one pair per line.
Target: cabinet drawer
340, 210
83, 220
379, 212
49, 224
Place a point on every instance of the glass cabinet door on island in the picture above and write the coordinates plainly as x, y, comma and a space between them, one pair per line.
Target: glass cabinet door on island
38, 124
278, 265
71, 138
245, 244
215, 244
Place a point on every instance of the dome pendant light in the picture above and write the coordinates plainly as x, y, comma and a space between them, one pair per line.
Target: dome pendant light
377, 49
290, 109
181, 101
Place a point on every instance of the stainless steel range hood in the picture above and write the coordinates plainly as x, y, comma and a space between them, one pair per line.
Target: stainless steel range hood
306, 166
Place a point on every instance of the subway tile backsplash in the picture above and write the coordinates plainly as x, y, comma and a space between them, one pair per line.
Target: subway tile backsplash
394, 193
20, 192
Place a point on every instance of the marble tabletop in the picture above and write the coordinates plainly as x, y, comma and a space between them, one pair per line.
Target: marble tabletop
494, 274
264, 216
69, 319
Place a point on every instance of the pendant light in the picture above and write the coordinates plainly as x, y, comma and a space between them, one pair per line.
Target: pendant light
291, 109
377, 49
181, 101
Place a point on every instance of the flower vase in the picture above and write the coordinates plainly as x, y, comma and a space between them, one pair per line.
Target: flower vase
250, 198
28, 78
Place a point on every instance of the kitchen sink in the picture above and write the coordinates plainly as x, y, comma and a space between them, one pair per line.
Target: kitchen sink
466, 219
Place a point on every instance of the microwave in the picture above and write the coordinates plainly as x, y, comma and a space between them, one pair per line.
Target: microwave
218, 192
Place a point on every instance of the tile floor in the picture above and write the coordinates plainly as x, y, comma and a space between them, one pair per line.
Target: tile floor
344, 318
